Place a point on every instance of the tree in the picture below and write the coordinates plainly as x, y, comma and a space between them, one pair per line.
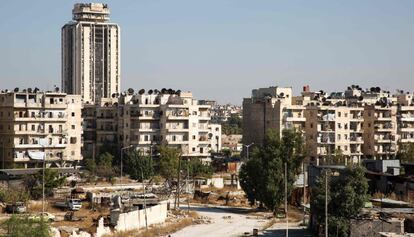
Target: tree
196, 168
14, 195
406, 152
21, 226
168, 163
137, 165
262, 177
233, 125
102, 166
347, 194
33, 183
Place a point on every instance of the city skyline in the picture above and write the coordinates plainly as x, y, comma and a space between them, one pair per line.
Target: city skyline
181, 45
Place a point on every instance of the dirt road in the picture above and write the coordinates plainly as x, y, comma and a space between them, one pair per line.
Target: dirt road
226, 222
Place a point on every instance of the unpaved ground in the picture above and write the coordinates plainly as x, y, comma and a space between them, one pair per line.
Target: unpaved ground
225, 222
279, 230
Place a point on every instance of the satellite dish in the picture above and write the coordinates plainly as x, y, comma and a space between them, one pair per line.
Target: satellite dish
170, 91
178, 92
142, 91
36, 90
150, 92
29, 90
156, 91
16, 89
163, 91
130, 91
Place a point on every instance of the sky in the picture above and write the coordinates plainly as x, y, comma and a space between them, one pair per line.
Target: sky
222, 49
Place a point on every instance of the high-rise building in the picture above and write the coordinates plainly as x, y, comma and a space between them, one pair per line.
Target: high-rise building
91, 53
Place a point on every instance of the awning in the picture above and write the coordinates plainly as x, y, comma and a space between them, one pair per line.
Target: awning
36, 155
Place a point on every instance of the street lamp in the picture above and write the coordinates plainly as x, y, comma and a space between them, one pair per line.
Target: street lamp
247, 149
122, 153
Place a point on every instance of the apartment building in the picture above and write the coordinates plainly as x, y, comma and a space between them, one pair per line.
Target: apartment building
91, 47
356, 123
40, 125
270, 108
143, 120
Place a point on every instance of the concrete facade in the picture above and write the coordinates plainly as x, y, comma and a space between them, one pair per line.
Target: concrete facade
356, 123
144, 120
91, 49
34, 125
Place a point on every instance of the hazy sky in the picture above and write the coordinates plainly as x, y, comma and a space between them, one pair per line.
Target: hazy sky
221, 49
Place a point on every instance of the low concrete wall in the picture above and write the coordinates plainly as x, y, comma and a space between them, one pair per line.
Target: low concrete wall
216, 182
136, 219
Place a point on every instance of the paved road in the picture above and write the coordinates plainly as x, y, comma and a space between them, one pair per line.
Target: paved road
222, 226
279, 230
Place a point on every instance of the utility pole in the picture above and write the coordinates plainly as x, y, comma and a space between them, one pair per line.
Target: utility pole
94, 159
247, 149
145, 200
326, 203
178, 182
286, 203
122, 167
43, 182
304, 193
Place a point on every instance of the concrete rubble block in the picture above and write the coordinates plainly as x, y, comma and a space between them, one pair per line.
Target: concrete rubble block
102, 230
54, 232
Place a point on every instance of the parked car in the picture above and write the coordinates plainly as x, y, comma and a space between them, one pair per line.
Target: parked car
70, 204
18, 208
46, 215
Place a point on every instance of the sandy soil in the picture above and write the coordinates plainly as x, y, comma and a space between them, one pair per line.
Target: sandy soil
226, 222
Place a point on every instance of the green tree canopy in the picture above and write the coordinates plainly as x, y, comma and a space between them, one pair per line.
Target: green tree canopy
406, 153
347, 194
196, 168
168, 162
262, 177
23, 226
33, 183
101, 166
233, 125
138, 166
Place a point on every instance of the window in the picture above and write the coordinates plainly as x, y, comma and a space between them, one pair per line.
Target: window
33, 127
73, 126
201, 150
50, 141
174, 138
346, 136
72, 153
73, 140
346, 115
346, 148
194, 137
73, 114
311, 125
339, 137
193, 149
339, 125
339, 114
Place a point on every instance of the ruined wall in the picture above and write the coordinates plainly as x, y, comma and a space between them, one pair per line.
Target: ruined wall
372, 227
136, 219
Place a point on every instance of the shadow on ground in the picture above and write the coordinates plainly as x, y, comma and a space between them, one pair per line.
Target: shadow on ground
282, 233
